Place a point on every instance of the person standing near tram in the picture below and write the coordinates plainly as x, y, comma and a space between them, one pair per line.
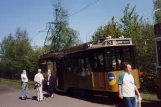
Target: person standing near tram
127, 87
24, 83
38, 79
50, 84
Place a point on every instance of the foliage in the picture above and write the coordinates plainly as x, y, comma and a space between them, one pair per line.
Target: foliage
157, 11
61, 36
18, 54
111, 29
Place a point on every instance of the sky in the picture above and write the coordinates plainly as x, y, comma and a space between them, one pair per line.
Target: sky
33, 15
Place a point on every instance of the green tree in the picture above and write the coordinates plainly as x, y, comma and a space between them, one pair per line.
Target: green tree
131, 23
111, 29
61, 36
17, 53
157, 11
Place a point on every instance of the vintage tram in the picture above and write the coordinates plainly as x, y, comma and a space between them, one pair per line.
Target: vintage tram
93, 66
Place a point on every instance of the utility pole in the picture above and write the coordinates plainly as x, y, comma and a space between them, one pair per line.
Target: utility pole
56, 36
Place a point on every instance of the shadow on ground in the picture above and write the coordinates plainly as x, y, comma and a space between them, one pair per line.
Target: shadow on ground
95, 99
149, 103
108, 101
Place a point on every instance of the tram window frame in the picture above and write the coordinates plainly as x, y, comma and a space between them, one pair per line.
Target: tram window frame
44, 66
119, 54
74, 63
97, 61
158, 43
83, 61
109, 54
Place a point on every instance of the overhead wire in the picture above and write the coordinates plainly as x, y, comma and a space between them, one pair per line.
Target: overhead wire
84, 8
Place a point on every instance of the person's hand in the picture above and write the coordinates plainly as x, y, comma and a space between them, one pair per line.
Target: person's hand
139, 96
120, 95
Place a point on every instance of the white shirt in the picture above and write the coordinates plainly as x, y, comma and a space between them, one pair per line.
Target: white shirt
24, 78
128, 86
48, 79
39, 78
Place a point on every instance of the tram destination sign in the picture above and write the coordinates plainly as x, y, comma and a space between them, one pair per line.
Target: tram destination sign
122, 42
157, 30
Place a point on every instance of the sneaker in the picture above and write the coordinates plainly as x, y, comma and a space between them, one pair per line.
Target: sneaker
28, 98
52, 96
23, 98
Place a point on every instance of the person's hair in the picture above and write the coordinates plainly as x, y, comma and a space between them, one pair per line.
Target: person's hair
49, 71
125, 65
39, 70
24, 71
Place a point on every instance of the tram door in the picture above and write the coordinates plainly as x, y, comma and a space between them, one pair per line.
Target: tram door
59, 67
99, 82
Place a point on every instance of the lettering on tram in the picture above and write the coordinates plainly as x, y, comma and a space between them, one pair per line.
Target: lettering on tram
93, 66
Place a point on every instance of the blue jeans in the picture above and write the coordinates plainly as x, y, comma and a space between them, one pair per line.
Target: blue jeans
25, 90
130, 101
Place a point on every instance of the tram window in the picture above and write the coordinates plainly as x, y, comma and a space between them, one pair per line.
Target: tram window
126, 55
119, 54
95, 61
69, 65
116, 58
86, 63
90, 61
44, 67
99, 61
159, 52
81, 64
74, 65
110, 60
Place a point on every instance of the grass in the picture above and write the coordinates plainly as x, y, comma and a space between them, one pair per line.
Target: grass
15, 83
150, 100
149, 97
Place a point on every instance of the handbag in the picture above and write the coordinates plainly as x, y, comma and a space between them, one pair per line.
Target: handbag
37, 84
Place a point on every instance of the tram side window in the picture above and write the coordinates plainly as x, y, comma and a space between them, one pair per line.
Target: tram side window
127, 56
44, 67
119, 55
110, 60
74, 64
84, 63
99, 61
81, 64
116, 58
69, 64
159, 52
95, 61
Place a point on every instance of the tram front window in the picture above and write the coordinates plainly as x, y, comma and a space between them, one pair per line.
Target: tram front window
115, 59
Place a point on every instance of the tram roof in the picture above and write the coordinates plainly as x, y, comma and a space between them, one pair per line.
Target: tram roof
101, 43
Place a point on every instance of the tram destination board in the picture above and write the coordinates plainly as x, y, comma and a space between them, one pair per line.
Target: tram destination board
122, 42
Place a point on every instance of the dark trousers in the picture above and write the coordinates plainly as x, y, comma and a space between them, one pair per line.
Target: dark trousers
50, 89
130, 101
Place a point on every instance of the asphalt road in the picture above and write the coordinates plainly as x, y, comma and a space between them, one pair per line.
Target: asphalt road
10, 97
